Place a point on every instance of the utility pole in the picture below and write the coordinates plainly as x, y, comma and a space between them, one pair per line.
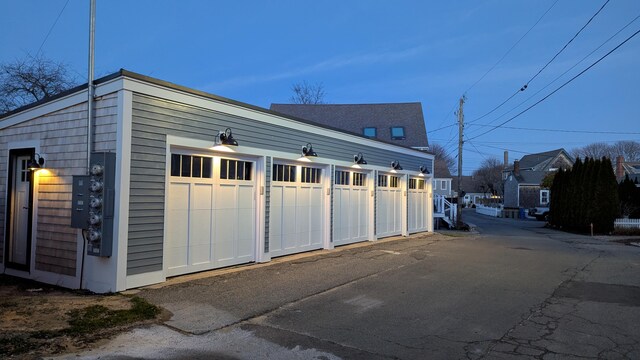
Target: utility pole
459, 222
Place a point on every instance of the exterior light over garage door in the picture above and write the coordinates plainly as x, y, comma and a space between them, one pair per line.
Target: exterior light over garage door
307, 152
395, 165
358, 160
223, 140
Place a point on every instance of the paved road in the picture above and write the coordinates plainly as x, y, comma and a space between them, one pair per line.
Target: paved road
516, 290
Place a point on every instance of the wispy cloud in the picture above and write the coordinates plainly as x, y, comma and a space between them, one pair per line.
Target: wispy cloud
338, 62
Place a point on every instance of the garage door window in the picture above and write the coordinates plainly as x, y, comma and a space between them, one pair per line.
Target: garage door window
310, 175
394, 181
191, 166
421, 184
235, 169
382, 180
342, 178
286, 173
412, 184
359, 179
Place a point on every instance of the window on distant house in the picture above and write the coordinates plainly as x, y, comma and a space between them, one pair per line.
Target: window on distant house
397, 133
370, 132
544, 197
443, 185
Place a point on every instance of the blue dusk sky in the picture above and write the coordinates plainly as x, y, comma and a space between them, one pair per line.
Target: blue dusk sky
371, 52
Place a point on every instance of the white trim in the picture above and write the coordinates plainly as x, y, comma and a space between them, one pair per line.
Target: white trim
257, 115
144, 279
326, 184
405, 205
261, 208
122, 187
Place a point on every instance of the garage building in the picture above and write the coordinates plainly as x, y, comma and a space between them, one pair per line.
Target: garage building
172, 180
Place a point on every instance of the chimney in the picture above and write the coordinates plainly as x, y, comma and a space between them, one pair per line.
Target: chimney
619, 167
506, 158
516, 167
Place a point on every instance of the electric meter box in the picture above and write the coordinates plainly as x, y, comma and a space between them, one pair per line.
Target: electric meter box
94, 202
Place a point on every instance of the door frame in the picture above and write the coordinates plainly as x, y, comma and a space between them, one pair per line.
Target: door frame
13, 153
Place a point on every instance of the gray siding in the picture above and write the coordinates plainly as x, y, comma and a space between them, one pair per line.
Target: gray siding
155, 118
63, 144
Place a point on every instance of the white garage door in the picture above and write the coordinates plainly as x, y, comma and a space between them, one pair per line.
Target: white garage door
296, 214
388, 206
350, 207
418, 200
211, 213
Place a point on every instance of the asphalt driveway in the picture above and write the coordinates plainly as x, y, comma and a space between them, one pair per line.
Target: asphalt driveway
515, 290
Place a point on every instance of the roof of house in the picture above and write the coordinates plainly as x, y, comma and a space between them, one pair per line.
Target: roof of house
469, 184
540, 161
355, 117
441, 170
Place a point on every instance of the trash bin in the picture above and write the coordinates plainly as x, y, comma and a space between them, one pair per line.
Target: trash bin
521, 214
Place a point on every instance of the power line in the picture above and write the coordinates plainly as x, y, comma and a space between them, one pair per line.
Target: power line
565, 72
558, 89
526, 85
51, 28
511, 48
567, 44
565, 131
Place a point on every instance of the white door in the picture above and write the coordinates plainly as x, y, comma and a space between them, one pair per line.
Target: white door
418, 200
18, 244
350, 207
296, 215
388, 205
211, 213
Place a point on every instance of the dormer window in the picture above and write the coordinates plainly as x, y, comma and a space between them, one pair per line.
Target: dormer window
397, 133
370, 132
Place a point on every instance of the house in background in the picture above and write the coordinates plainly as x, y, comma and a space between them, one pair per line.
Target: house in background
473, 192
165, 180
522, 180
627, 168
442, 179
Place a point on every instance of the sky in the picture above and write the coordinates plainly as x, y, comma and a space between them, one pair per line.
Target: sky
372, 51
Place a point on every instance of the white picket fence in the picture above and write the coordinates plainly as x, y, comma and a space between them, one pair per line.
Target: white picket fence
627, 223
487, 210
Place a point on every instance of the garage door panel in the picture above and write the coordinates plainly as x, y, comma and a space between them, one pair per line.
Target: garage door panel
178, 226
200, 224
389, 212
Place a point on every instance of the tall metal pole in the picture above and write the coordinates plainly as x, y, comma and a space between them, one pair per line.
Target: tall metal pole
91, 89
459, 222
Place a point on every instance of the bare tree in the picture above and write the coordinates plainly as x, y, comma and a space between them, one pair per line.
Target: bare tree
630, 150
441, 154
305, 93
489, 176
31, 79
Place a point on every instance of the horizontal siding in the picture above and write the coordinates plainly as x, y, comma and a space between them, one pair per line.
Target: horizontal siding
62, 138
154, 119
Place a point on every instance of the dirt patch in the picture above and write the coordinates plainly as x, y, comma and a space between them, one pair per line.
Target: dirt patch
38, 320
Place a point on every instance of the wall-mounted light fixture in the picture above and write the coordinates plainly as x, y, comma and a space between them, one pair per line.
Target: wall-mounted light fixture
395, 166
35, 163
423, 170
223, 140
358, 160
307, 152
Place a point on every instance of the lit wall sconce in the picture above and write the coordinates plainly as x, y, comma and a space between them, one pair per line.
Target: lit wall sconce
423, 170
307, 152
358, 160
395, 165
223, 140
35, 163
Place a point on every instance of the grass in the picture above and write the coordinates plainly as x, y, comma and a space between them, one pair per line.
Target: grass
83, 323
